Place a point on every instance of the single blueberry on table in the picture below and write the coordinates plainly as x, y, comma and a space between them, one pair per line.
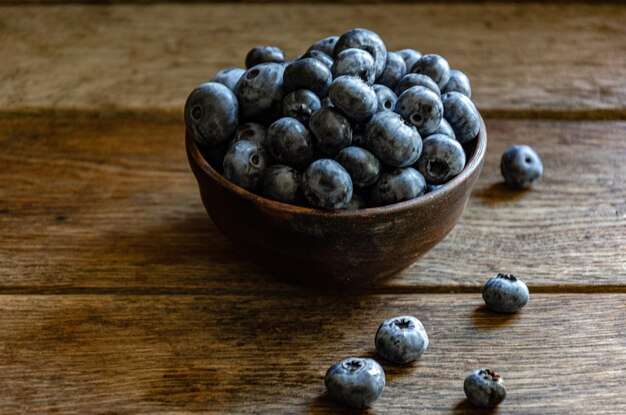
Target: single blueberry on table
392, 140
264, 54
320, 56
401, 339
458, 82
442, 159
282, 183
505, 293
445, 129
326, 184
395, 69
300, 104
244, 163
260, 93
308, 73
251, 131
434, 66
410, 56
211, 114
355, 382
354, 97
386, 98
462, 115
416, 79
363, 166
228, 77
520, 166
326, 45
355, 62
289, 142
484, 388
367, 40
331, 129
397, 186
422, 108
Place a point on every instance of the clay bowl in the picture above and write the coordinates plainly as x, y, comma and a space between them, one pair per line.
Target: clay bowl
335, 247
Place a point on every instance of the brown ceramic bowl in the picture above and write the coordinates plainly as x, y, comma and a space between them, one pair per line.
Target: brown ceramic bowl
337, 247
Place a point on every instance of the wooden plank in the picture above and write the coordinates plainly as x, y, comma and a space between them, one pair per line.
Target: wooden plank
524, 60
268, 354
111, 204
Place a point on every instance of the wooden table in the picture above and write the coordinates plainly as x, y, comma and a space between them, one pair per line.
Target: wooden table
118, 294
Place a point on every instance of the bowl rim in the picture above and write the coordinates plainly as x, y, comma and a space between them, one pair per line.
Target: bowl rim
470, 167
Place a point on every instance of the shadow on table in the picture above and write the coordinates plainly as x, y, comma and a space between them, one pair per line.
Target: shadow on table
484, 318
498, 193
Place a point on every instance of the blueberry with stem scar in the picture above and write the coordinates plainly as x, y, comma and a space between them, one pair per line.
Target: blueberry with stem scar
442, 159
211, 114
392, 140
367, 40
520, 166
244, 163
281, 183
397, 186
484, 388
386, 98
251, 131
300, 104
354, 97
260, 93
422, 108
401, 339
308, 73
327, 185
355, 62
505, 293
355, 382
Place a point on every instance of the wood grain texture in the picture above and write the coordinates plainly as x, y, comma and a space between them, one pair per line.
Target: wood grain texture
523, 59
260, 353
89, 204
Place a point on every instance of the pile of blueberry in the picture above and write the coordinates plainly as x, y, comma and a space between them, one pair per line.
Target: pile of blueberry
347, 125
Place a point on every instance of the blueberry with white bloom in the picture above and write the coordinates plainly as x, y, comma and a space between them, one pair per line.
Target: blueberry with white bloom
326, 45
458, 82
308, 73
228, 77
244, 163
355, 62
401, 339
367, 40
520, 166
445, 129
355, 382
462, 115
484, 388
395, 69
282, 183
289, 142
397, 186
416, 79
211, 114
505, 293
363, 166
327, 185
354, 97
251, 131
300, 104
260, 93
386, 98
264, 54
442, 159
410, 56
434, 66
420, 107
331, 129
320, 56
392, 140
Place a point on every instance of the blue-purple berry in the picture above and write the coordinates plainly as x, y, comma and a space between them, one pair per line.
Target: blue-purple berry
392, 140
264, 54
300, 104
354, 97
211, 114
282, 183
505, 293
445, 129
363, 167
251, 131
228, 77
320, 56
355, 382
462, 115
484, 388
260, 93
458, 82
326, 45
520, 166
331, 129
367, 40
410, 56
395, 69
327, 185
401, 339
397, 186
355, 62
416, 79
420, 107
289, 142
308, 73
434, 66
386, 98
244, 163
442, 159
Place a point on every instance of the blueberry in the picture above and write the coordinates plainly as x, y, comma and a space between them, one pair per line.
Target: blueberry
282, 183
363, 166
211, 114
520, 166
395, 69
326, 102
326, 45
331, 129
320, 56
386, 98
392, 140
397, 186
289, 142
410, 56
228, 77
355, 62
300, 104
416, 79
251, 131
442, 159
434, 66
421, 107
326, 184
462, 115
308, 73
445, 129
458, 82
484, 388
355, 382
260, 92
357, 202
264, 54
401, 339
354, 97
367, 40
505, 293
244, 164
